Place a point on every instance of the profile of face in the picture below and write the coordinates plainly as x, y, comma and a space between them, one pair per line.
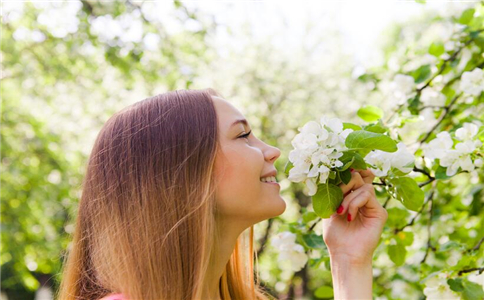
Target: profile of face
239, 166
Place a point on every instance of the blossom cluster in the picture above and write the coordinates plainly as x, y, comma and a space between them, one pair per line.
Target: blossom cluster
381, 162
316, 150
472, 83
291, 255
437, 288
453, 157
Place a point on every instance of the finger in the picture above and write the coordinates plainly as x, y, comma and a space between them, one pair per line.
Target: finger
350, 197
367, 175
355, 182
362, 199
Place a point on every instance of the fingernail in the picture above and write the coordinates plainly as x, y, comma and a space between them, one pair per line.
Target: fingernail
352, 170
340, 209
349, 217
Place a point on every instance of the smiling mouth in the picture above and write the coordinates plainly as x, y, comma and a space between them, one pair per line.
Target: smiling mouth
270, 179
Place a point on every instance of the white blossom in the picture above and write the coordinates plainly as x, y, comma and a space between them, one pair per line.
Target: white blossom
430, 96
383, 161
438, 289
455, 157
466, 132
317, 148
291, 255
472, 82
402, 86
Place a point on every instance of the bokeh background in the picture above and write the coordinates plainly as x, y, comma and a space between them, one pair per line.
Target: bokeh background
67, 66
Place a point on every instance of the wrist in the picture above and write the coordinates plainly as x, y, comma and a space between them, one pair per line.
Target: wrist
352, 277
344, 258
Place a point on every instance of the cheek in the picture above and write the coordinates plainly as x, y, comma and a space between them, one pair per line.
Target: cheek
238, 174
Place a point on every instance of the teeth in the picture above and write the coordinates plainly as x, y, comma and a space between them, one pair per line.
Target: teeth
268, 179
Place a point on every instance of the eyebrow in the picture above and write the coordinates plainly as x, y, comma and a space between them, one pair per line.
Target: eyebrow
243, 121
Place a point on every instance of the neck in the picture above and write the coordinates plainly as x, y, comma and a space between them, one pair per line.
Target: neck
223, 249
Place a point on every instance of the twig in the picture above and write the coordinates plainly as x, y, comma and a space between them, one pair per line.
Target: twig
471, 270
386, 202
264, 238
477, 246
441, 118
429, 243
397, 230
314, 225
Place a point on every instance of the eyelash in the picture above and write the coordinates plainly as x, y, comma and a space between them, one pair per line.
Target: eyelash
245, 135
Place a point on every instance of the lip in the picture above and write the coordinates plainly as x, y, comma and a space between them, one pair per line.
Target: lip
272, 183
272, 173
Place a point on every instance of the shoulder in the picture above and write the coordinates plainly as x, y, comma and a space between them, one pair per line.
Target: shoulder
114, 297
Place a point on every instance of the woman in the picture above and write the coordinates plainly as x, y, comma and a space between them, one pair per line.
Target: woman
172, 190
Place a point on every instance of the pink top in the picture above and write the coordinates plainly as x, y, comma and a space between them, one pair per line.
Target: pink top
114, 297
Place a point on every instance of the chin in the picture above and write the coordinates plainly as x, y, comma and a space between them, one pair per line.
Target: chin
279, 207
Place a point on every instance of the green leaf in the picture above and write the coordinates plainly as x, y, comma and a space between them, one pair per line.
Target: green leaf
397, 254
440, 173
351, 126
345, 176
313, 240
421, 73
466, 16
367, 140
370, 113
288, 167
346, 164
358, 162
405, 238
436, 49
455, 284
407, 191
309, 216
324, 292
472, 291
376, 128
327, 199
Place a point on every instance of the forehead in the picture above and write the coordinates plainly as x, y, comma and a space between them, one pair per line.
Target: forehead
226, 112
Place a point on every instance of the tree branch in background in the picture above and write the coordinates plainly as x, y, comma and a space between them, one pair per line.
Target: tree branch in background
471, 270
263, 240
431, 195
429, 241
477, 246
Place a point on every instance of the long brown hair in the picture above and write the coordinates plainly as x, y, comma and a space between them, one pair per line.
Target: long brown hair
146, 225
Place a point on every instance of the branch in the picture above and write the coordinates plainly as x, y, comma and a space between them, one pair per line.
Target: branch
441, 118
429, 243
397, 230
264, 238
386, 201
477, 246
471, 270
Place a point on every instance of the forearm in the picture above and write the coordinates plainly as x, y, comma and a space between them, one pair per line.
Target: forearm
351, 280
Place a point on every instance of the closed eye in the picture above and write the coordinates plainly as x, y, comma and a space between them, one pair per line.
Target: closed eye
245, 135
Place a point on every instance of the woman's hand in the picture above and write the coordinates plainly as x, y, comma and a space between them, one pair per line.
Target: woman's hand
353, 232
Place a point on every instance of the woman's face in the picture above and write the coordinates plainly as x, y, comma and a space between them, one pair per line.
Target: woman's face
239, 166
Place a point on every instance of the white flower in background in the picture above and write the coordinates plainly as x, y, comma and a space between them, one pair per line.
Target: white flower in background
466, 132
432, 97
316, 150
476, 278
438, 289
383, 161
402, 86
472, 82
460, 156
318, 228
291, 255
438, 147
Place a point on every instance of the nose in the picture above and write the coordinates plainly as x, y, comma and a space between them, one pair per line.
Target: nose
272, 153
